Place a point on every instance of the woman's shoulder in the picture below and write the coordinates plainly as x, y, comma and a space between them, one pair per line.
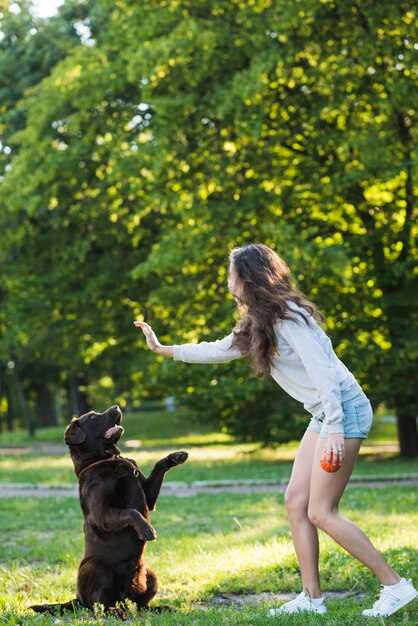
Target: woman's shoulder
296, 313
292, 306
295, 319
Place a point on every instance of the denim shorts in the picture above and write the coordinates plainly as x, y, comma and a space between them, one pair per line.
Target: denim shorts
358, 418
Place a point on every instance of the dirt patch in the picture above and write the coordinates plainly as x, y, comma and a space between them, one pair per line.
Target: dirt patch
15, 451
242, 600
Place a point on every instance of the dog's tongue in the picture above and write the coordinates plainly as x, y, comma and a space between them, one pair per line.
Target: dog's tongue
111, 431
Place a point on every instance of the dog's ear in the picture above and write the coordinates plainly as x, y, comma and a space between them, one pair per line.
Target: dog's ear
74, 433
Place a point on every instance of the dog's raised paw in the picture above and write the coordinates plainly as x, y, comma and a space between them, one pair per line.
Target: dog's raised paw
177, 458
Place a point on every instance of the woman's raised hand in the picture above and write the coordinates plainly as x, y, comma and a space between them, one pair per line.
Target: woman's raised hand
152, 340
150, 336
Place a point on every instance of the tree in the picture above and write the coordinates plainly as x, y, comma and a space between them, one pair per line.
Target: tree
177, 131
29, 49
300, 119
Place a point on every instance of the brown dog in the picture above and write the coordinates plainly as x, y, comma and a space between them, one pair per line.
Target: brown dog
115, 498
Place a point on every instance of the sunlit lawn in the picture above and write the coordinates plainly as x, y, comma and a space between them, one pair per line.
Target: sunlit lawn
207, 545
205, 464
212, 456
158, 426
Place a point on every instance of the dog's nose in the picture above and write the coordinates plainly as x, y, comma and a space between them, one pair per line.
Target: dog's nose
116, 408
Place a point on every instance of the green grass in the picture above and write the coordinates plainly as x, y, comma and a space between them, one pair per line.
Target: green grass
213, 456
160, 428
207, 545
211, 463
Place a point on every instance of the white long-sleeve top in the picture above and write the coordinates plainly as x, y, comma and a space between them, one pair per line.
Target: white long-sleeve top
306, 366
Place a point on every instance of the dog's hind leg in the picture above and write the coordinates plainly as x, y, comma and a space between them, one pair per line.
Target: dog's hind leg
145, 588
142, 603
98, 584
57, 609
152, 485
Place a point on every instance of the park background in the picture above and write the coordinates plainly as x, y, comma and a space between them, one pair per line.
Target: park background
139, 143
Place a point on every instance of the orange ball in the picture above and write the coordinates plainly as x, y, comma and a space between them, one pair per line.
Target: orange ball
329, 467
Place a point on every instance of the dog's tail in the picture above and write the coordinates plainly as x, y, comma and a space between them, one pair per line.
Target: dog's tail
57, 609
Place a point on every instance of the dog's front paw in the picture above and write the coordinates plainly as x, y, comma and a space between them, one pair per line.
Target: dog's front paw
146, 532
177, 458
150, 533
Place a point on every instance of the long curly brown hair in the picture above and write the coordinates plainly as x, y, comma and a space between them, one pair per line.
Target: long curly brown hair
266, 289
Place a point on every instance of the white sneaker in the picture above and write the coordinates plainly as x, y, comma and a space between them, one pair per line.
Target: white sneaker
392, 598
301, 603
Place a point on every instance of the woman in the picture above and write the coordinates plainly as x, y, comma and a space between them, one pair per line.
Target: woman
280, 333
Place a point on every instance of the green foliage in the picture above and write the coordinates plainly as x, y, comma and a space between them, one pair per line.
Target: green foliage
178, 130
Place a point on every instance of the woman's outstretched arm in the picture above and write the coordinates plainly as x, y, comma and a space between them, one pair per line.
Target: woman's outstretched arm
219, 351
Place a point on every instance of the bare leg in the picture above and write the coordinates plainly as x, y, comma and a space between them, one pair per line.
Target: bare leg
304, 533
326, 491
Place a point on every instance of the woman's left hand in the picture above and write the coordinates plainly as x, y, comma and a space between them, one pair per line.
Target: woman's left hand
335, 444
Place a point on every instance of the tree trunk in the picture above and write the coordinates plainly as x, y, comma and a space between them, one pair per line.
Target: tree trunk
27, 416
10, 413
407, 434
45, 409
2, 386
2, 380
77, 397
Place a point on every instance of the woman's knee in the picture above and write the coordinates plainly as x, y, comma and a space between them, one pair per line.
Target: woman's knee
295, 502
320, 517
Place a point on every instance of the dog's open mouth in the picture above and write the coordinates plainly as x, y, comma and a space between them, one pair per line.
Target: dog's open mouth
112, 430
